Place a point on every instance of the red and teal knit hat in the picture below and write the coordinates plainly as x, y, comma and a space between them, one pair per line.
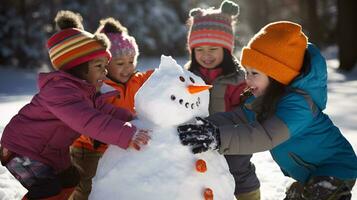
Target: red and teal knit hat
72, 46
213, 26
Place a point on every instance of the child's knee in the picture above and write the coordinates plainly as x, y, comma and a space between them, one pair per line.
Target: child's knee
44, 188
59, 187
39, 179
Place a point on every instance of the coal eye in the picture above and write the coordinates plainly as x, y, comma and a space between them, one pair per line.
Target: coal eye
192, 80
182, 79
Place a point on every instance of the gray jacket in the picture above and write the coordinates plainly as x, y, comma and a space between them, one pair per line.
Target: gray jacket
264, 136
240, 166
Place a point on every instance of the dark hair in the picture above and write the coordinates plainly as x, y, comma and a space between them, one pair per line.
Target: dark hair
229, 63
79, 71
269, 100
275, 91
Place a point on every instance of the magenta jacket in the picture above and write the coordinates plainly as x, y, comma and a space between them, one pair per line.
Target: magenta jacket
66, 106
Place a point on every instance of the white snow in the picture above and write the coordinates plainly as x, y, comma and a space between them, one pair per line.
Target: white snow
17, 88
327, 185
10, 188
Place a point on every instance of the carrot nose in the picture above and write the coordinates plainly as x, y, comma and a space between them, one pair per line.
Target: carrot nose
197, 88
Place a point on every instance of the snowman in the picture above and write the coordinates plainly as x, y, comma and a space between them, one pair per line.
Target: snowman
165, 169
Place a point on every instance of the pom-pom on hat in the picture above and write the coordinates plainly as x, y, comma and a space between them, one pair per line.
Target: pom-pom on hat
72, 46
277, 50
122, 44
213, 26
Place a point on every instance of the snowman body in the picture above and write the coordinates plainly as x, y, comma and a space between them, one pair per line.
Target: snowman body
164, 169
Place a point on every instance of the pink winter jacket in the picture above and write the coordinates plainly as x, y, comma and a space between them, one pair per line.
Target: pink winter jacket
44, 129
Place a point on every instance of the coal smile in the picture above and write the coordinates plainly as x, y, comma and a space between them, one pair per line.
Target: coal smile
187, 104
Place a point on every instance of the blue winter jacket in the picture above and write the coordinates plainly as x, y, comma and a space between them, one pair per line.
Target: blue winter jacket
301, 138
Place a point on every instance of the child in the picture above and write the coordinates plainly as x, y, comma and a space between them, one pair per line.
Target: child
35, 144
85, 152
211, 43
288, 79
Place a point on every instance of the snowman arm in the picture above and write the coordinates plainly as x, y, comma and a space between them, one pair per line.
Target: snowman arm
238, 136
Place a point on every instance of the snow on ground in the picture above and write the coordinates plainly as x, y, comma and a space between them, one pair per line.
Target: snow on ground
10, 188
17, 88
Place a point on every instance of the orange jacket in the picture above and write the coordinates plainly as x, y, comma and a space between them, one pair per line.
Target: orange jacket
125, 99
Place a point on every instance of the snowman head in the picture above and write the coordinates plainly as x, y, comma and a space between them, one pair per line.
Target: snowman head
172, 95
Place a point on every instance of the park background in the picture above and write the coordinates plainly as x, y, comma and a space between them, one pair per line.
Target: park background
160, 28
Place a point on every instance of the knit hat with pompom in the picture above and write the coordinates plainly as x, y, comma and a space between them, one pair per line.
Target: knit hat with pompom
213, 26
122, 44
72, 46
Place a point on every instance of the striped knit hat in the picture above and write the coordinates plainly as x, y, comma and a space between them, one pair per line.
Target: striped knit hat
71, 47
213, 27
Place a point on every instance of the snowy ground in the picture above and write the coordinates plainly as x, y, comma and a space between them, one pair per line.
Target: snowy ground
17, 88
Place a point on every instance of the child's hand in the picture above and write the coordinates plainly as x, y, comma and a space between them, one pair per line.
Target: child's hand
140, 138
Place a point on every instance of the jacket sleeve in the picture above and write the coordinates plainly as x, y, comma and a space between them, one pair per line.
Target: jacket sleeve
137, 81
70, 106
238, 136
143, 76
104, 106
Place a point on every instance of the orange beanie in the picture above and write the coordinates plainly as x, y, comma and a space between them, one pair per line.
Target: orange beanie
277, 50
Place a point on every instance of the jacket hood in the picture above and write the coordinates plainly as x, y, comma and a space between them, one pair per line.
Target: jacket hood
45, 78
314, 80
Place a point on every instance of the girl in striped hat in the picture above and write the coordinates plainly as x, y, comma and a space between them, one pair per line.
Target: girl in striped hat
123, 77
211, 43
35, 144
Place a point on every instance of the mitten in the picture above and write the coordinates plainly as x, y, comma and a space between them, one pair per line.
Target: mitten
202, 135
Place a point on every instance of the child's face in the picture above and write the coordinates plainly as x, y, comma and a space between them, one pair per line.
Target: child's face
97, 72
256, 81
209, 56
121, 68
